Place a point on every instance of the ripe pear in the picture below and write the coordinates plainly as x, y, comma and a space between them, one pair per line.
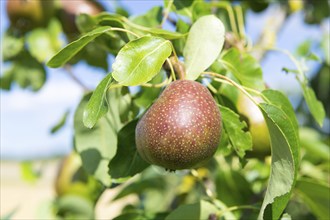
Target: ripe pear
182, 129
257, 126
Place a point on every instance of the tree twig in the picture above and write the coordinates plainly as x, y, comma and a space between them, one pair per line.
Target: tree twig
68, 69
267, 38
166, 12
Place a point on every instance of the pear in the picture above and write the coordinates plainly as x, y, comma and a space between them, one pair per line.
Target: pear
182, 129
257, 126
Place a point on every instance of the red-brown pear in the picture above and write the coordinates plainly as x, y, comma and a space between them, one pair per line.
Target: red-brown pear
182, 129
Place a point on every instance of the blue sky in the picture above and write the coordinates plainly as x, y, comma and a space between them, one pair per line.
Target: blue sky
26, 117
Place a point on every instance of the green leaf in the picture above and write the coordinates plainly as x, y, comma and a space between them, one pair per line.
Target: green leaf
113, 20
127, 161
311, 140
285, 160
55, 30
85, 23
202, 8
314, 105
287, 70
280, 100
204, 44
143, 185
239, 139
224, 148
316, 196
325, 44
304, 51
95, 52
317, 171
181, 7
11, 46
75, 207
44, 42
232, 186
124, 23
6, 79
196, 211
147, 95
140, 60
28, 173
169, 35
283, 126
304, 48
132, 215
225, 213
27, 72
179, 44
151, 18
96, 146
128, 109
121, 11
97, 106
94, 55
60, 123
244, 67
73, 48
313, 56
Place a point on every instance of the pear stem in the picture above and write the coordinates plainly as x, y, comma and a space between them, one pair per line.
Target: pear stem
240, 20
124, 30
230, 11
159, 85
244, 87
171, 67
166, 12
241, 88
178, 67
214, 90
177, 64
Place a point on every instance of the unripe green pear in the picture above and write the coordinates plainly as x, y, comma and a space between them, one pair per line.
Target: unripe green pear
182, 129
68, 168
72, 180
257, 125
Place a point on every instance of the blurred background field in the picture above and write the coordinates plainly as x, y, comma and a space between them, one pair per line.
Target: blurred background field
25, 196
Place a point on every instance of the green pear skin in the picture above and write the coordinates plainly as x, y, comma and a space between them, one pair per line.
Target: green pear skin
182, 129
257, 126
